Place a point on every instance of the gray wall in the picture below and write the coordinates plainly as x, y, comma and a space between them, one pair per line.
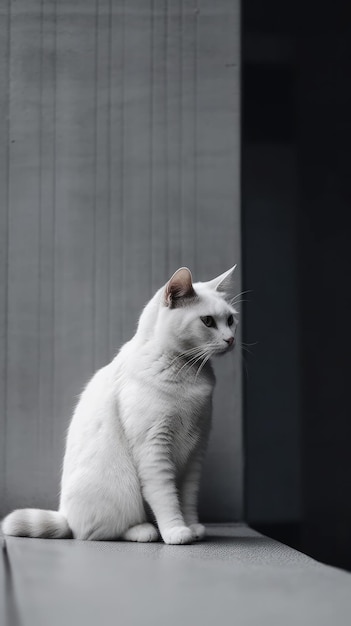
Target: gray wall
119, 162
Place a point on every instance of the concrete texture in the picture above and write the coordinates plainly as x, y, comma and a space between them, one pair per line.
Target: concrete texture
236, 577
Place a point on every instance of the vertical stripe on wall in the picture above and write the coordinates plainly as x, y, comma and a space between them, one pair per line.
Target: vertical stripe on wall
119, 162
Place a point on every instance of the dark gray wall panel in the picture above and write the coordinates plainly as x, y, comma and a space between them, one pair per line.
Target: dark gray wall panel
273, 403
121, 156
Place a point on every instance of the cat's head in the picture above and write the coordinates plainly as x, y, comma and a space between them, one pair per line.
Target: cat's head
197, 316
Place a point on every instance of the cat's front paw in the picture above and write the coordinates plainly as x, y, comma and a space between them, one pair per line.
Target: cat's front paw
198, 530
178, 535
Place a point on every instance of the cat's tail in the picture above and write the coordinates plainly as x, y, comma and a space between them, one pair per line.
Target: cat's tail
36, 523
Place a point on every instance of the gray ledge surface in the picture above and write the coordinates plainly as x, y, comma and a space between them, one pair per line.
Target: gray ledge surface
236, 576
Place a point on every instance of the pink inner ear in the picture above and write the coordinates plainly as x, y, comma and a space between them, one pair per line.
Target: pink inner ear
180, 285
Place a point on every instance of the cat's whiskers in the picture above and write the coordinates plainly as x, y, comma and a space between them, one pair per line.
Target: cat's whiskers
203, 363
190, 352
186, 353
190, 362
209, 350
233, 304
235, 301
244, 346
201, 358
241, 356
202, 352
246, 349
240, 294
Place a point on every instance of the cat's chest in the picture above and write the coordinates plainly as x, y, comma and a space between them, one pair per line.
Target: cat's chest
187, 423
188, 405
177, 415
186, 433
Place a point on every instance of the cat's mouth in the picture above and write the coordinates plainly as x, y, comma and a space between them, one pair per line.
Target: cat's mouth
226, 349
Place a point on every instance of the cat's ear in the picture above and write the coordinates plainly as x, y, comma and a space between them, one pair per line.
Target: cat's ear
179, 288
224, 283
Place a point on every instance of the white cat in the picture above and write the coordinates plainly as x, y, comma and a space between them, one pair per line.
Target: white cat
138, 435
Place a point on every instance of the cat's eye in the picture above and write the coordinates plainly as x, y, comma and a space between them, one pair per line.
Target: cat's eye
208, 321
230, 320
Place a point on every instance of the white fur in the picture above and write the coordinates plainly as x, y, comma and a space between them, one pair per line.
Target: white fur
141, 426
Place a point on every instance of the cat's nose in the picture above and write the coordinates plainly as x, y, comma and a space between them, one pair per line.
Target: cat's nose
229, 341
